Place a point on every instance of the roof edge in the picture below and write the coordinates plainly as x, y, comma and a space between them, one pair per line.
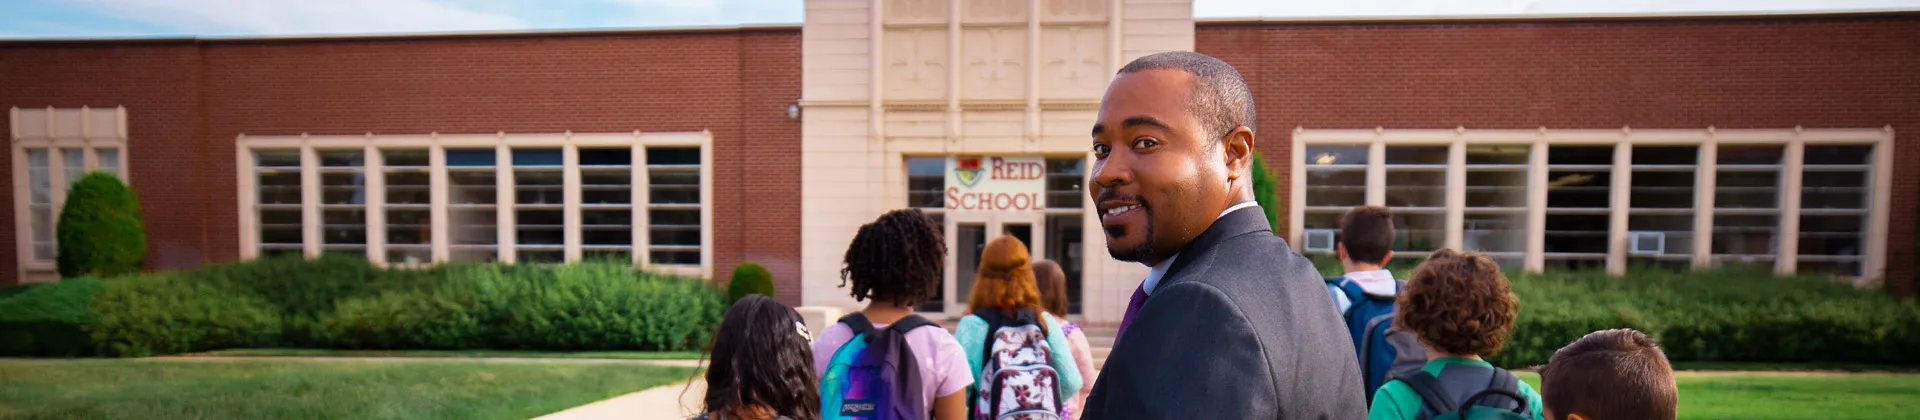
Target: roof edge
418, 36
1571, 17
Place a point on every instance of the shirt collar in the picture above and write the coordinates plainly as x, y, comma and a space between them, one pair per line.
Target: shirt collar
1374, 282
1160, 270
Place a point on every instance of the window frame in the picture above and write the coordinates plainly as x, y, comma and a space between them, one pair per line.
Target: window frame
505, 207
1623, 140
49, 135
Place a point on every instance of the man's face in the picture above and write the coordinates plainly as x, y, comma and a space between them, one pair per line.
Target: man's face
1158, 177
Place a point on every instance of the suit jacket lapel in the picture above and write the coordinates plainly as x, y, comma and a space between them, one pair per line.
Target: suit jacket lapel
1239, 222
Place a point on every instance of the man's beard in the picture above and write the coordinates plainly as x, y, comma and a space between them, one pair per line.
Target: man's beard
1138, 252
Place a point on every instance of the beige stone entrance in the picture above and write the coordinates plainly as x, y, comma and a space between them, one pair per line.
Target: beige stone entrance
886, 80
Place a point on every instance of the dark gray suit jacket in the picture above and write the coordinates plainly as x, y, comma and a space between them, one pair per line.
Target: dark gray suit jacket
1239, 328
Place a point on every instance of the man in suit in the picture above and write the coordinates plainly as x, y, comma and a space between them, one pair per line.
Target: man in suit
1230, 323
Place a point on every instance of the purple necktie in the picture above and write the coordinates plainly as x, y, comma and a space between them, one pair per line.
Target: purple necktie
1133, 306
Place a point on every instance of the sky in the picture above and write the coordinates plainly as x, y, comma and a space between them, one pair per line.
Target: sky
254, 18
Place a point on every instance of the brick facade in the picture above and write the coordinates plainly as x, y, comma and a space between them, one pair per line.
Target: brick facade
188, 99
1770, 72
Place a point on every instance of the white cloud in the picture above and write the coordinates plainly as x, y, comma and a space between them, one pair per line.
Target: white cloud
280, 17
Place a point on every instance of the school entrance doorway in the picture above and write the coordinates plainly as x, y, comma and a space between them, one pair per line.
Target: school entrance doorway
977, 198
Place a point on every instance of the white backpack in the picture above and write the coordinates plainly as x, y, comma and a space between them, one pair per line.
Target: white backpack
1016, 382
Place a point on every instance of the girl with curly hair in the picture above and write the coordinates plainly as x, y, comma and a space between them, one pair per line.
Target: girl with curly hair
1462, 308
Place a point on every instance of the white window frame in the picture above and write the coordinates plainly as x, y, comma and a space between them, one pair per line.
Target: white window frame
54, 133
436, 144
1794, 140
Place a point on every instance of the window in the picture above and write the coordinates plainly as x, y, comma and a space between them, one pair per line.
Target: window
53, 148
1672, 199
1065, 180
927, 182
674, 208
529, 199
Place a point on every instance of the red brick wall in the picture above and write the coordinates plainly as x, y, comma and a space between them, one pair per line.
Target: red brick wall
1842, 71
159, 83
734, 83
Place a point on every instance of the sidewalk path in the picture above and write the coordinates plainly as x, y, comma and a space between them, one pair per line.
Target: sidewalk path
665, 402
660, 362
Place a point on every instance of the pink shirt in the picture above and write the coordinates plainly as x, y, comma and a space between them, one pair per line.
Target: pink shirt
943, 365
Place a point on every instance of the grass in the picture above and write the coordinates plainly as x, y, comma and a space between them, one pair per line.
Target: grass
1765, 396
630, 355
243, 389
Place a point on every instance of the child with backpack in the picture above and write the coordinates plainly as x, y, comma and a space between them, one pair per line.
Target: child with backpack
1026, 369
1053, 297
759, 365
886, 362
1365, 296
1461, 308
1614, 374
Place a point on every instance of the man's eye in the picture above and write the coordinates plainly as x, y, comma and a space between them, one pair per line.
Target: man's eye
1101, 149
1145, 143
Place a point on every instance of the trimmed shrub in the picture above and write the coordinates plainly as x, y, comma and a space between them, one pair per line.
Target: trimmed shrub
99, 232
178, 313
48, 319
749, 278
1263, 191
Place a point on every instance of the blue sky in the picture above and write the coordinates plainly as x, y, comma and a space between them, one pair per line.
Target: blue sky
146, 18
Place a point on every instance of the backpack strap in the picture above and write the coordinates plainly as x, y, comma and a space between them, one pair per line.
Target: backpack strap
909, 323
1503, 383
858, 323
1433, 395
1366, 342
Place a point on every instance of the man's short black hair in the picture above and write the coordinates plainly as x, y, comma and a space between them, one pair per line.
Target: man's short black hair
1221, 98
1367, 233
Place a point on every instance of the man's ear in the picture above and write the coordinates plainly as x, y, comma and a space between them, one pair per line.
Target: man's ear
1576, 416
1340, 251
1238, 153
1383, 261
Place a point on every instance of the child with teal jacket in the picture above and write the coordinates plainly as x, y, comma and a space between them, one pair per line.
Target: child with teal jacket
1005, 284
1462, 308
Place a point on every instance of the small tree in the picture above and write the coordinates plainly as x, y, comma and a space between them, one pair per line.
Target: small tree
1263, 186
749, 278
99, 232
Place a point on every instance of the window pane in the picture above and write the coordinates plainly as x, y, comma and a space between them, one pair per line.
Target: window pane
673, 156
1577, 233
1418, 231
342, 158
1416, 188
1416, 155
471, 157
472, 188
1504, 154
1745, 234
537, 186
473, 227
1665, 155
1750, 155
607, 227
343, 188
404, 158
1065, 180
1335, 155
601, 185
604, 157
1831, 235
624, 255
1495, 232
73, 162
674, 185
537, 157
1746, 189
109, 160
39, 176
540, 227
286, 158
345, 226
277, 178
409, 227
926, 182
1833, 189
541, 256
409, 220
671, 257
1497, 187
42, 226
1662, 190
1336, 187
1839, 155
408, 186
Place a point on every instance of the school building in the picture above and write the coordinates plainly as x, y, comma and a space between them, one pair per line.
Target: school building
1550, 142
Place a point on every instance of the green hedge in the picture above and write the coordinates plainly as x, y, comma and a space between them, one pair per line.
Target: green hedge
344, 302
1734, 314
99, 231
47, 319
749, 278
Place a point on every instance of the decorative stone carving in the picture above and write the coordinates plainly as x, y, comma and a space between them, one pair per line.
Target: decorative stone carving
993, 11
912, 12
1073, 62
1073, 10
916, 64
995, 63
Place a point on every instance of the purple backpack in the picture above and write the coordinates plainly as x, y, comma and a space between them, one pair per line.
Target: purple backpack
874, 376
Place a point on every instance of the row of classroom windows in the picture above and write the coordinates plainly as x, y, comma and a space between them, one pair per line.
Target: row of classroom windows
1833, 215
534, 205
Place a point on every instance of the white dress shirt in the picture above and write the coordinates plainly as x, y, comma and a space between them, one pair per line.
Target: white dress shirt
1160, 270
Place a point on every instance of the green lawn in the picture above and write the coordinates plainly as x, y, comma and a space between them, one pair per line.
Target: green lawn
633, 355
243, 389
1762, 396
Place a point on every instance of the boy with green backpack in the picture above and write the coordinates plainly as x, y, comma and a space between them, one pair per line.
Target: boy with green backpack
1461, 308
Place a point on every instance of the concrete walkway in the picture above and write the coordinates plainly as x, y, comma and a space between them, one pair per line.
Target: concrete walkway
216, 359
666, 402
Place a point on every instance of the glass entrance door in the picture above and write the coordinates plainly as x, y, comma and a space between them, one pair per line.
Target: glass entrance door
969, 234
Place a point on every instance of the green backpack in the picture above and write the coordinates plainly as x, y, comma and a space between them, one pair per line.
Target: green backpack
1461, 393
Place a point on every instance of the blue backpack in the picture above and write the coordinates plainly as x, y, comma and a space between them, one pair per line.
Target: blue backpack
874, 376
1383, 351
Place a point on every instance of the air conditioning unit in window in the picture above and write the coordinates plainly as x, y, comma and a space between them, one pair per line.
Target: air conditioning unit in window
1647, 243
1319, 240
